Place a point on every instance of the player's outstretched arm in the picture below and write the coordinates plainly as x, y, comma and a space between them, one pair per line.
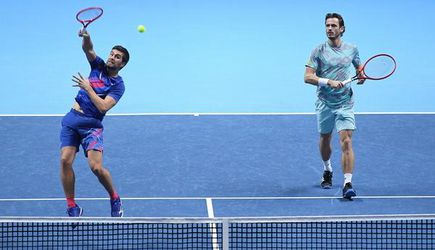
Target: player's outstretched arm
87, 45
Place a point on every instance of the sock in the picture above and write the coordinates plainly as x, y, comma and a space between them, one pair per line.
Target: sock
114, 195
327, 165
70, 202
347, 178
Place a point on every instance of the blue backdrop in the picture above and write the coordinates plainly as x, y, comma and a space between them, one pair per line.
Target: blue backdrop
212, 56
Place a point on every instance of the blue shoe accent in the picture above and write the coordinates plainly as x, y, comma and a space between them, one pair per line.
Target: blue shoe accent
116, 206
348, 191
74, 211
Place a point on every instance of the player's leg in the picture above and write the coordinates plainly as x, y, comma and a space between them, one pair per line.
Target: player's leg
67, 176
70, 141
325, 125
348, 162
347, 156
325, 146
325, 152
95, 160
93, 146
67, 156
345, 124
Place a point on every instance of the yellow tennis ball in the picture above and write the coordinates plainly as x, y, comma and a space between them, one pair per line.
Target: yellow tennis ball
141, 28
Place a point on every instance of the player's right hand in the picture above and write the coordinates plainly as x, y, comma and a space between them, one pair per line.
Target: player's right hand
83, 33
335, 84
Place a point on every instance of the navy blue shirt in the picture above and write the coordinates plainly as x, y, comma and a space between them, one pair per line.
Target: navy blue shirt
103, 86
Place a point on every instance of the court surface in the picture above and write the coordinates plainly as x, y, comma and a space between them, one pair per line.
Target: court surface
222, 166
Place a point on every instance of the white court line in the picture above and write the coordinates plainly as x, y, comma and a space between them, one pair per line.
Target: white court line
217, 114
209, 199
213, 229
210, 210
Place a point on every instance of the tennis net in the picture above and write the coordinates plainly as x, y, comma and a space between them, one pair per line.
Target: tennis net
334, 232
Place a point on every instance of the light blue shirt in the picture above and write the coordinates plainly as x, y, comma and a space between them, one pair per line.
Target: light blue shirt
335, 63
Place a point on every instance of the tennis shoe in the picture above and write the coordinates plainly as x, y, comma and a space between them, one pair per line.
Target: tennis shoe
74, 211
348, 191
117, 210
326, 180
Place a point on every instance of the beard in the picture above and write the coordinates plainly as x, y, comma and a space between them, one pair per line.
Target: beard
111, 68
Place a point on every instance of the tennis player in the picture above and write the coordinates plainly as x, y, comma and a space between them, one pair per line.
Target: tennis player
329, 64
83, 124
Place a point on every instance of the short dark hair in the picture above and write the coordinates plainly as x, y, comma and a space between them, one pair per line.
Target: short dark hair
125, 54
340, 20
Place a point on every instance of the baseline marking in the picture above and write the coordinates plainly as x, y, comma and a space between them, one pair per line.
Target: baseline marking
209, 199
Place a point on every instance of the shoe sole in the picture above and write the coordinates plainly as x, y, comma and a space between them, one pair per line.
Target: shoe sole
120, 214
74, 225
326, 185
349, 194
80, 214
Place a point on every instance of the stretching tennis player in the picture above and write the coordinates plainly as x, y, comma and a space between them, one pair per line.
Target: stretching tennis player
83, 124
331, 63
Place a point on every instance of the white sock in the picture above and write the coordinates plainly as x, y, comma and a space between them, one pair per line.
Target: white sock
327, 165
347, 178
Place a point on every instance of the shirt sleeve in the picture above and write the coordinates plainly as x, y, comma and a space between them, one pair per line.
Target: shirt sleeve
117, 91
313, 61
356, 60
98, 63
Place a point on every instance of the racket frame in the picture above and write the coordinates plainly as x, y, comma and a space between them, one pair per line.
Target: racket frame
364, 77
86, 22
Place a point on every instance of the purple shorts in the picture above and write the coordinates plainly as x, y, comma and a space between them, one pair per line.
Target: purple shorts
78, 128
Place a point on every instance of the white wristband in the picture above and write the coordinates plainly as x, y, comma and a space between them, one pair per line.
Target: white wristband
323, 81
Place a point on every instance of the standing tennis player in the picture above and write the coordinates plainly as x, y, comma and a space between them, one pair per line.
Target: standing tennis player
83, 124
331, 63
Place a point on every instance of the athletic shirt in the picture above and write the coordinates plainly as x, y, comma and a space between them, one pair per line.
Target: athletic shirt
103, 86
335, 63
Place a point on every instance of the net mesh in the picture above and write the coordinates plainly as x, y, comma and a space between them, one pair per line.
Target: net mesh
400, 233
403, 234
46, 235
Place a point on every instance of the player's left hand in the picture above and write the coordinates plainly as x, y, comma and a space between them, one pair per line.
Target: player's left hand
82, 82
361, 77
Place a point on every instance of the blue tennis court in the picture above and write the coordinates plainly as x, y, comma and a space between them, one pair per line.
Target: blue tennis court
214, 144
222, 166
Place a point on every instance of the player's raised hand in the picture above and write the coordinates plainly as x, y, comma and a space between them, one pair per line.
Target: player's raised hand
83, 33
81, 82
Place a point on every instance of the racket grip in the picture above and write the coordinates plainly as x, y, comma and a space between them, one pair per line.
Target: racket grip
346, 81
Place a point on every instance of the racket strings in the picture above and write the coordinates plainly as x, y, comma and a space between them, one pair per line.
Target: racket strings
379, 67
89, 15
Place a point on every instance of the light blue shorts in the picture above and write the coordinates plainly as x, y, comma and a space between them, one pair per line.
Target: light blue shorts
342, 118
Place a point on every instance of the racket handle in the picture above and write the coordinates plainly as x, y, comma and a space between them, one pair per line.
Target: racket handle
346, 81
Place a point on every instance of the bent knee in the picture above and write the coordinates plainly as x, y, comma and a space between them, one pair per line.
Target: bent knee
96, 167
97, 171
66, 161
346, 144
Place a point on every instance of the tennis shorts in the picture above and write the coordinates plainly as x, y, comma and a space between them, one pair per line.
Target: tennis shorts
340, 118
78, 129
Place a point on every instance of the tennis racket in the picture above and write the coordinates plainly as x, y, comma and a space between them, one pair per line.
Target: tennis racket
88, 15
377, 67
